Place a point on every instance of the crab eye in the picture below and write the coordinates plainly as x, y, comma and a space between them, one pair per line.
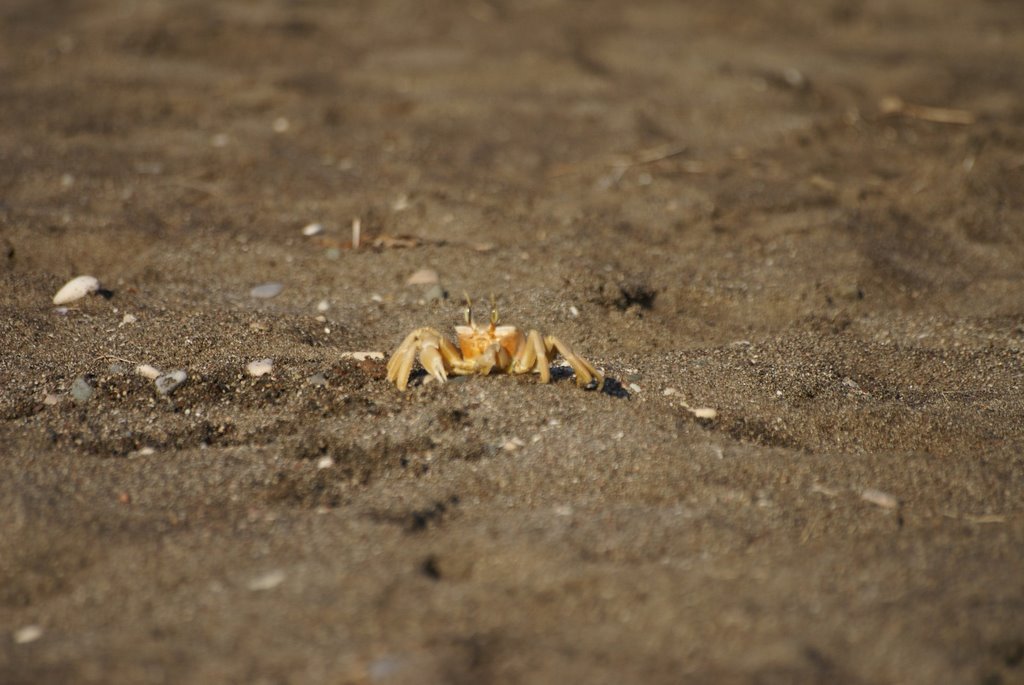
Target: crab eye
494, 317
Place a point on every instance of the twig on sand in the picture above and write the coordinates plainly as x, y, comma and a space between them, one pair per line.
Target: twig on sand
620, 163
893, 105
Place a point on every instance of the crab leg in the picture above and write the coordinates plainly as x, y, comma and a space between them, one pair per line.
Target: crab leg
533, 357
400, 352
585, 372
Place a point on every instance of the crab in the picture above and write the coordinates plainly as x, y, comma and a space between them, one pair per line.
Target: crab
486, 349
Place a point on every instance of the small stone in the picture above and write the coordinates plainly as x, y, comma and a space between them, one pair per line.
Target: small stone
325, 462
401, 203
142, 452
323, 306
260, 367
880, 499
76, 289
313, 229
333, 253
513, 444
51, 399
147, 371
573, 311
116, 369
376, 298
22, 636
317, 379
127, 319
169, 382
266, 291
434, 293
220, 140
705, 413
634, 387
669, 391
82, 390
423, 277
281, 125
267, 581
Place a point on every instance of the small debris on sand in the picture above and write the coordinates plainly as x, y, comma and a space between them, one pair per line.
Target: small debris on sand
169, 382
266, 291
423, 277
880, 499
76, 289
267, 581
260, 367
22, 636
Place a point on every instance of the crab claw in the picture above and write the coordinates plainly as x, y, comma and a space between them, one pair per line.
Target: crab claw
432, 362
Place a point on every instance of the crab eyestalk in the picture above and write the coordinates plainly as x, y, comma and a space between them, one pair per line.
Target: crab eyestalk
468, 314
494, 313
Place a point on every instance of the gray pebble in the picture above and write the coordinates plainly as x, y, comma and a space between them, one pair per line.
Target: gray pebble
317, 379
82, 390
169, 382
266, 291
434, 293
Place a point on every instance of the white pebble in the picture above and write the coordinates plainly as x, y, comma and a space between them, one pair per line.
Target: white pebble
704, 413
281, 125
376, 298
880, 499
513, 444
260, 367
147, 371
51, 399
325, 462
323, 306
267, 581
169, 382
313, 229
423, 277
22, 636
76, 289
573, 311
669, 391
266, 291
127, 319
634, 387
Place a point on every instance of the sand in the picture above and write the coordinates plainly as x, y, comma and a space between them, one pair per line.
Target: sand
712, 202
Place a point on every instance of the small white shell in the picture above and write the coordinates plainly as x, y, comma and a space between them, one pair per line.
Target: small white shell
147, 371
422, 277
76, 289
260, 367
